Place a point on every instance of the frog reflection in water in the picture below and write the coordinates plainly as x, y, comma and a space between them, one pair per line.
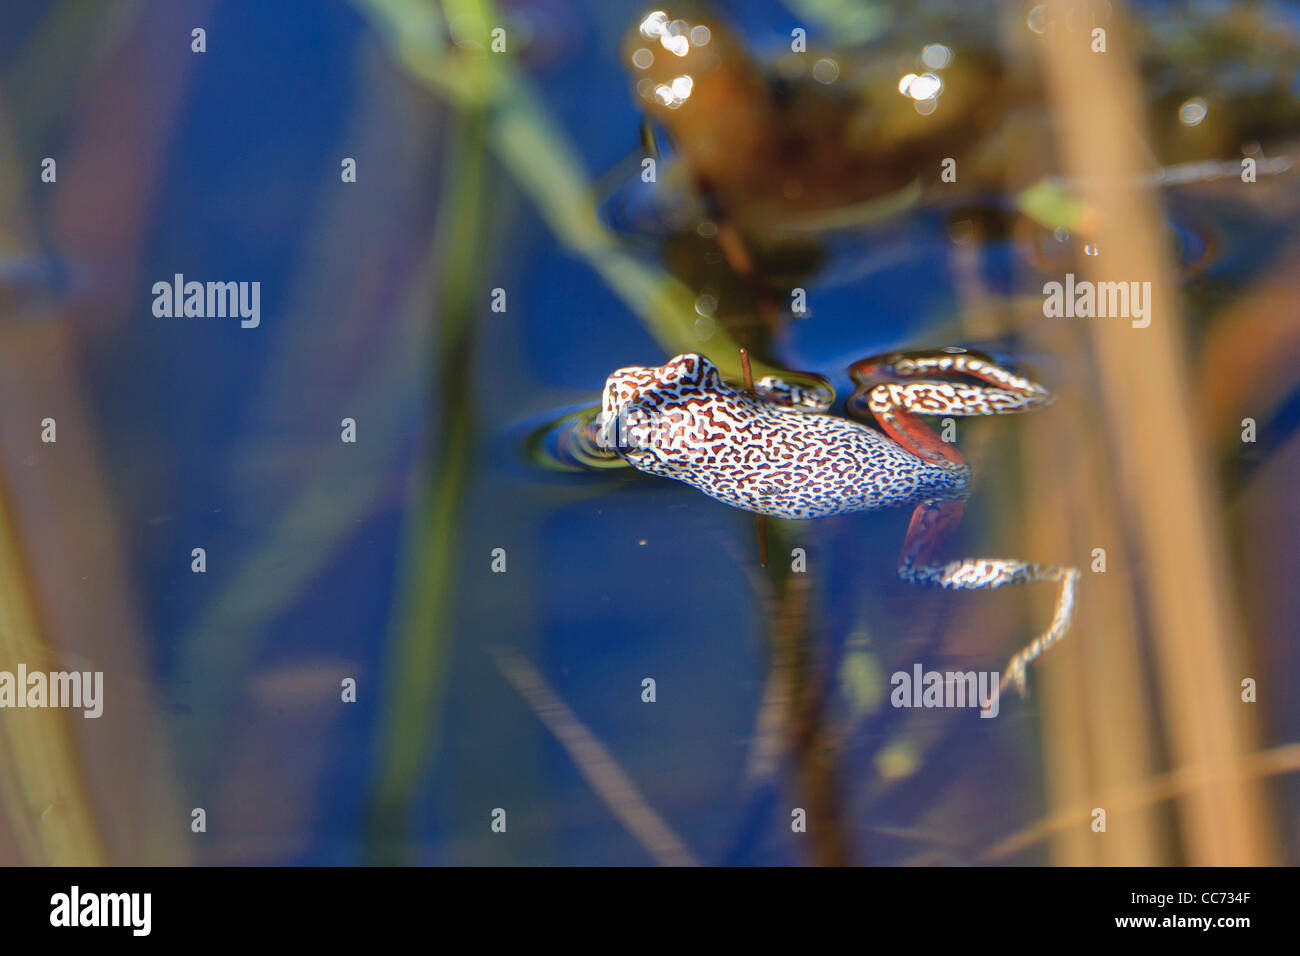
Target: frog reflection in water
772, 450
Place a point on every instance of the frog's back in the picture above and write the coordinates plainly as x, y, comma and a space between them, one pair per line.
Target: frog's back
796, 465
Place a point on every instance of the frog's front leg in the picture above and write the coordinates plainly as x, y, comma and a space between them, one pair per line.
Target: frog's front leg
896, 406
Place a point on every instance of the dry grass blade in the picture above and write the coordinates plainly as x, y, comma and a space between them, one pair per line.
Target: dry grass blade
1163, 474
42, 788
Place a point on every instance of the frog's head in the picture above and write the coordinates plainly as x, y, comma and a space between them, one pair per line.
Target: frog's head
642, 407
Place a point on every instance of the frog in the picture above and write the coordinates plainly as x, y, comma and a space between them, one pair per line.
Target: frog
772, 448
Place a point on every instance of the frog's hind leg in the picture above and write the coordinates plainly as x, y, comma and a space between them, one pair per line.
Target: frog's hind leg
932, 522
897, 407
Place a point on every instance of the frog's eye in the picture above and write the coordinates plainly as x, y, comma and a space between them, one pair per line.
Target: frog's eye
692, 369
681, 367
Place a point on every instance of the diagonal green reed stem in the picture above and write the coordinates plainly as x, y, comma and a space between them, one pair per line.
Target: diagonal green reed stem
416, 667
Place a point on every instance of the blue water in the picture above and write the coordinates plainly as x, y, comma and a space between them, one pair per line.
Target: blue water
210, 435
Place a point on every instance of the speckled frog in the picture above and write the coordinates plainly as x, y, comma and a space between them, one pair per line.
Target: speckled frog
762, 451
772, 450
